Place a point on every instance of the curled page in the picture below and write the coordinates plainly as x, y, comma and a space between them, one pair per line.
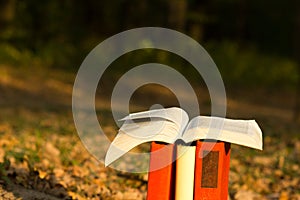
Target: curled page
164, 125
174, 114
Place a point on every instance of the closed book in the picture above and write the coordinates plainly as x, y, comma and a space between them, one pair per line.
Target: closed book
161, 172
185, 164
212, 164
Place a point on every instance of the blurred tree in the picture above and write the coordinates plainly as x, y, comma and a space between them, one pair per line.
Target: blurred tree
177, 14
7, 10
241, 21
7, 14
297, 58
197, 18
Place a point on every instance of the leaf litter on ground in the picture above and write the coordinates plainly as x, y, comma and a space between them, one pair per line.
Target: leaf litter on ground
41, 154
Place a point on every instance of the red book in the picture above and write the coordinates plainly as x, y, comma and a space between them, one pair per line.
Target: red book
161, 176
211, 170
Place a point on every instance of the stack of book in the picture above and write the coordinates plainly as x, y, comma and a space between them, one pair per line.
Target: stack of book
189, 159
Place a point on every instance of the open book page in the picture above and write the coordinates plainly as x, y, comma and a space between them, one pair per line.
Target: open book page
242, 132
164, 125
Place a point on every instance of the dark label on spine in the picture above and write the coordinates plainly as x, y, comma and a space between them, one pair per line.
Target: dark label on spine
210, 169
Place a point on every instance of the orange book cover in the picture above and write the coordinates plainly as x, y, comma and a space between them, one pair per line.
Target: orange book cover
161, 181
211, 170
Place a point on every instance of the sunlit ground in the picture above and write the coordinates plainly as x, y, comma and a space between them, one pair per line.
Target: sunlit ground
40, 149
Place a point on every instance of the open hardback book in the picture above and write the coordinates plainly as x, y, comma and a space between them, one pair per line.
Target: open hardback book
171, 124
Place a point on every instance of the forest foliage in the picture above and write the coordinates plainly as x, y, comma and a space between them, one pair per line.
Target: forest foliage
252, 42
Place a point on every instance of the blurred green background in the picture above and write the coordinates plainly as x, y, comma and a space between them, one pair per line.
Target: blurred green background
254, 43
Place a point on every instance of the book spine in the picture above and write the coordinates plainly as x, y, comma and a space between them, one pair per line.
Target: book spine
212, 170
185, 164
161, 175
